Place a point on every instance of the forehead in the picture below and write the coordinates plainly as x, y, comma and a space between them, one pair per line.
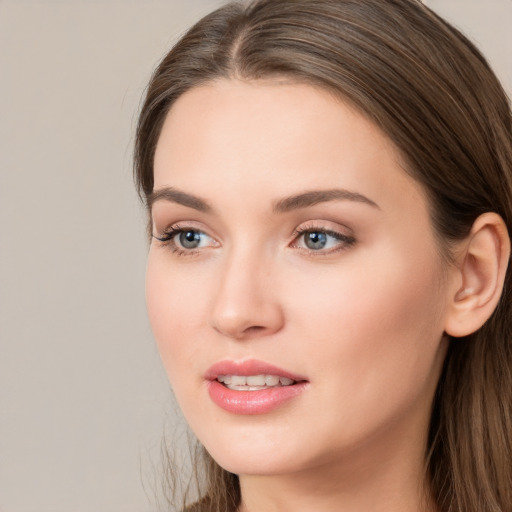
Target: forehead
274, 138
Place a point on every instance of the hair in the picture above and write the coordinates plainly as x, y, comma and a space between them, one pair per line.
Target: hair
434, 95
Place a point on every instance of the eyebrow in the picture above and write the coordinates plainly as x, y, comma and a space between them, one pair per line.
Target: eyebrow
177, 196
313, 197
295, 202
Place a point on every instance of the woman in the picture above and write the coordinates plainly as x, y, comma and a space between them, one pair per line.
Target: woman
329, 187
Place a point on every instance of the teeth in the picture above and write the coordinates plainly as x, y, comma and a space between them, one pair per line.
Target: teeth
253, 382
256, 380
271, 380
238, 380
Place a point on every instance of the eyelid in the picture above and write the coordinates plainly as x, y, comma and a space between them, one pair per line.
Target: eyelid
325, 226
180, 226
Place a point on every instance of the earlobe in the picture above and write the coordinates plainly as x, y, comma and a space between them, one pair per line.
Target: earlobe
481, 265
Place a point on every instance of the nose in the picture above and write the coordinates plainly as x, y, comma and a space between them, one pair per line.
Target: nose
246, 304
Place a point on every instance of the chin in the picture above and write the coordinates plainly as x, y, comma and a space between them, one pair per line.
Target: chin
254, 464
257, 455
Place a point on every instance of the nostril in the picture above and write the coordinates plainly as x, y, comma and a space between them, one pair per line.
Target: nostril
255, 328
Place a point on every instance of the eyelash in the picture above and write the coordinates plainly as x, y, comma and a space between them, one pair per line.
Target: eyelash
346, 241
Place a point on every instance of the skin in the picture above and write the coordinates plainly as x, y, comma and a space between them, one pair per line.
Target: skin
363, 322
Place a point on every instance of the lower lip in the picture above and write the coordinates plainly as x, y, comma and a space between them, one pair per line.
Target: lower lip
252, 402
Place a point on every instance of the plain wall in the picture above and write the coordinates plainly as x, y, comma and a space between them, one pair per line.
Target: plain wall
83, 398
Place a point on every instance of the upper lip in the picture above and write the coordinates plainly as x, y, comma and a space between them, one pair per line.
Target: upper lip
248, 367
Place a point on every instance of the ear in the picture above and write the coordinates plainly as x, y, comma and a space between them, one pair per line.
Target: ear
481, 265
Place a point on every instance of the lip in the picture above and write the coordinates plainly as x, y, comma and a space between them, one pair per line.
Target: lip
251, 402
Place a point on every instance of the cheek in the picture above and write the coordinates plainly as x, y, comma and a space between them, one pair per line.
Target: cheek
174, 311
366, 293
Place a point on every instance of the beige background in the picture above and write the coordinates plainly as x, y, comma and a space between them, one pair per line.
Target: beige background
83, 398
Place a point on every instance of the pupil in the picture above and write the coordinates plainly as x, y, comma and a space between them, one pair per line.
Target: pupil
190, 239
316, 240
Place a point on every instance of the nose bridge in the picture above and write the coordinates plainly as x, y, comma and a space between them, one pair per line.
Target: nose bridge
246, 303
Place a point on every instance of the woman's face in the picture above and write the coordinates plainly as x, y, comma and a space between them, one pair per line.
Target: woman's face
297, 258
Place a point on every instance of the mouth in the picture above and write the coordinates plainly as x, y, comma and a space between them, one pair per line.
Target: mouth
252, 387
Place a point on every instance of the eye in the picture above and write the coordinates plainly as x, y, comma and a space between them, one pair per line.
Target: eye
185, 240
321, 240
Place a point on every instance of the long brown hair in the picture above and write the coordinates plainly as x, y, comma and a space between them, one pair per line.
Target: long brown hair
433, 93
